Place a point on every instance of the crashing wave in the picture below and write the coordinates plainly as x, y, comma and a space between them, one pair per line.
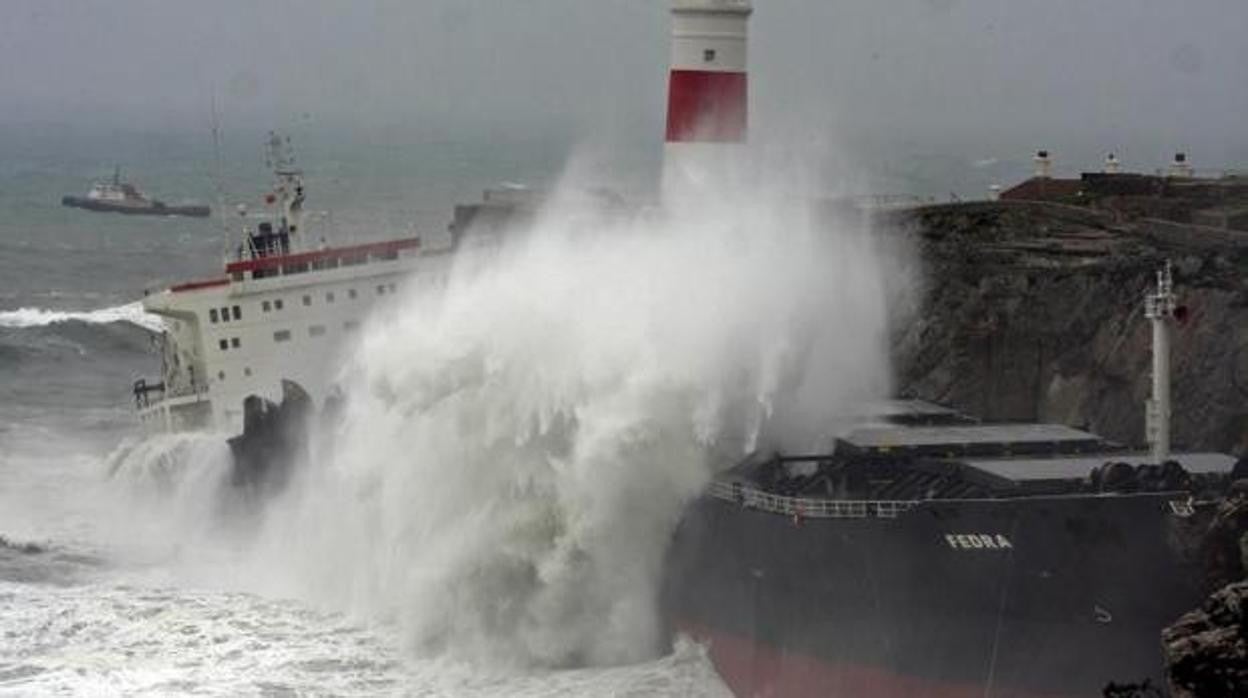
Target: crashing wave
514, 452
167, 461
132, 313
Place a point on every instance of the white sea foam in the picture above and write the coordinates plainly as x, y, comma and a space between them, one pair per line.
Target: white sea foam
132, 313
142, 604
126, 639
515, 451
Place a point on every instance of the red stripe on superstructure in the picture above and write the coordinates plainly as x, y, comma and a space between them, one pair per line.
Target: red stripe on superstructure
196, 285
755, 669
372, 248
706, 106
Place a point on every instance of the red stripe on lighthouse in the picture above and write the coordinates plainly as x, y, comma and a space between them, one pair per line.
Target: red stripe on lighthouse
706, 106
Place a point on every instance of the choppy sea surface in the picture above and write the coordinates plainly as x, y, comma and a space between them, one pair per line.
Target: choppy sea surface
104, 586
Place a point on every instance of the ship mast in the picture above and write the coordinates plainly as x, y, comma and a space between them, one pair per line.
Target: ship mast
280, 158
1159, 308
217, 144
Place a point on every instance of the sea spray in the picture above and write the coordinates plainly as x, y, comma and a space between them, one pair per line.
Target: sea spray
516, 448
169, 494
132, 313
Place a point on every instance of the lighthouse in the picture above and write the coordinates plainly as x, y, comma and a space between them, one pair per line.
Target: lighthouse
707, 99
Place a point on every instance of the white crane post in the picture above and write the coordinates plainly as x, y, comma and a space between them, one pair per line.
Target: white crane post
1159, 308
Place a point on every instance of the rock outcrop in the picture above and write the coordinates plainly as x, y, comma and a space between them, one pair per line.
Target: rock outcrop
1034, 311
274, 439
1207, 649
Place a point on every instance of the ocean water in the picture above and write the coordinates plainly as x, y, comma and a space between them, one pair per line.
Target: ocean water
99, 592
490, 515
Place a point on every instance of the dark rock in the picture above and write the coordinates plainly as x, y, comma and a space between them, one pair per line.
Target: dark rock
274, 439
1207, 650
1145, 689
1222, 545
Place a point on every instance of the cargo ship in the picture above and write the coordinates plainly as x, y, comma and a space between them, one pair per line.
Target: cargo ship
117, 196
284, 291
281, 293
926, 554
948, 558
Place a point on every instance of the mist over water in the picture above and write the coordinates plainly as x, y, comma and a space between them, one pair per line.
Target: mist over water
516, 447
488, 513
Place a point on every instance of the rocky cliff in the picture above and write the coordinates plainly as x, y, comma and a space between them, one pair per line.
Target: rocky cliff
1034, 311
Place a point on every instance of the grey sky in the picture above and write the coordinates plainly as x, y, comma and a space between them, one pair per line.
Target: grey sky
977, 77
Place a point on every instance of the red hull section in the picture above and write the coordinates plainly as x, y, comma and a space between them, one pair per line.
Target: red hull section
755, 670
705, 106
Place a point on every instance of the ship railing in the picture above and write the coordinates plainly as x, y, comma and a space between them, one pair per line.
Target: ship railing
142, 392
165, 393
802, 507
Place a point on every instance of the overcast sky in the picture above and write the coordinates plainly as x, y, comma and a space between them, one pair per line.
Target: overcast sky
979, 77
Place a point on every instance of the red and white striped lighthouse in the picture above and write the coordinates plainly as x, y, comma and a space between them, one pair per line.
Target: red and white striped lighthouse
707, 99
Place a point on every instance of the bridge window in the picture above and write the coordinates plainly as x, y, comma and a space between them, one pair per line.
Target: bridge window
316, 330
281, 336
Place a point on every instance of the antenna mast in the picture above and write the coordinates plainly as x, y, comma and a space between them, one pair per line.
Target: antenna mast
217, 143
279, 156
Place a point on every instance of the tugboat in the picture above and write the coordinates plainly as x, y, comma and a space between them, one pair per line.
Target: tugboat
122, 197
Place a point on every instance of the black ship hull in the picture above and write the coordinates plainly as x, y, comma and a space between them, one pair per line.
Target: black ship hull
1041, 596
155, 208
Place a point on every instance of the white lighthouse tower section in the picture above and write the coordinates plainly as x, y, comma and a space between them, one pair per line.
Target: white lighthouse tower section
707, 110
717, 25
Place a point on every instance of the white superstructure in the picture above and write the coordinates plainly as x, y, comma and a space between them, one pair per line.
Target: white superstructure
1043, 163
117, 192
284, 310
1180, 167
